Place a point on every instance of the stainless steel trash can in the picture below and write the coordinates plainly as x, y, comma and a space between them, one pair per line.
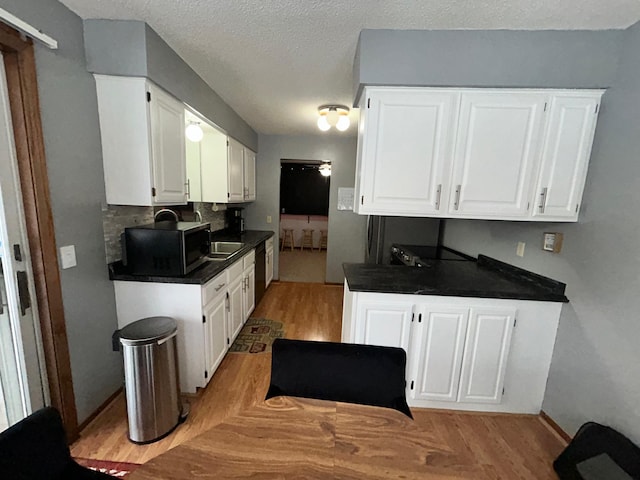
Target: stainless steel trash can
151, 378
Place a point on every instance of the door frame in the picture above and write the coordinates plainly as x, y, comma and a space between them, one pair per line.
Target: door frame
24, 103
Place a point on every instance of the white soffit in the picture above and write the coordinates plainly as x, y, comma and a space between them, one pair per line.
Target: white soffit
274, 62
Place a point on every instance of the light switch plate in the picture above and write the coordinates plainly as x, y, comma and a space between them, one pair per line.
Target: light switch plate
520, 249
68, 256
269, 219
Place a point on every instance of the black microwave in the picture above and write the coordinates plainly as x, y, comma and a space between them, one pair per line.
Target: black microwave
165, 249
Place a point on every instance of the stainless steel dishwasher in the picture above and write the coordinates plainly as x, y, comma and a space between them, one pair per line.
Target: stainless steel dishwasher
261, 272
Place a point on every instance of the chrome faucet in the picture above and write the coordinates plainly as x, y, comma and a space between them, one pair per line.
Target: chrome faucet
165, 210
197, 216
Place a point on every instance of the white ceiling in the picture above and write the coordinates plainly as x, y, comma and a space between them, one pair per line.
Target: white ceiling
275, 61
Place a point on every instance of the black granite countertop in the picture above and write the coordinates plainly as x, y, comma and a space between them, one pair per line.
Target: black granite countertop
484, 278
204, 273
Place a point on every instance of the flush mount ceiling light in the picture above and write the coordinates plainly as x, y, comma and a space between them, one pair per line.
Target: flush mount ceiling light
325, 170
333, 116
194, 131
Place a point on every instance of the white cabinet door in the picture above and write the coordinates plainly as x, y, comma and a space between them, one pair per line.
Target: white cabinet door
194, 179
249, 287
249, 175
167, 147
497, 147
269, 266
236, 307
236, 171
215, 334
385, 323
565, 155
437, 353
486, 353
404, 164
214, 166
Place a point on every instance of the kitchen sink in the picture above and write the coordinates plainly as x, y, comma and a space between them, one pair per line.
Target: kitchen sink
225, 247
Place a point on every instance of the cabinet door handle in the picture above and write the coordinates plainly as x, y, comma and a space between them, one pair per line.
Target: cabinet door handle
219, 287
456, 203
543, 200
188, 184
438, 195
227, 303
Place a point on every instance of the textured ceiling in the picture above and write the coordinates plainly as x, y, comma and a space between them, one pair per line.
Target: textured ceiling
275, 61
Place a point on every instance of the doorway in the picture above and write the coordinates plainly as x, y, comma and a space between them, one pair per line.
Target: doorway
22, 388
304, 220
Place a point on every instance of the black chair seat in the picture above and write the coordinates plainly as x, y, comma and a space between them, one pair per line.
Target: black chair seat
342, 372
36, 449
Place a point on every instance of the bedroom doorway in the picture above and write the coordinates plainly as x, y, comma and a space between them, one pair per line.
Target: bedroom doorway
304, 220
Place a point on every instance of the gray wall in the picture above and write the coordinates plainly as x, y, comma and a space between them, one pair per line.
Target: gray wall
346, 229
486, 58
409, 231
132, 48
596, 363
72, 141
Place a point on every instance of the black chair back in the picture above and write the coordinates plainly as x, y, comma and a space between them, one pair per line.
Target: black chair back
36, 449
342, 372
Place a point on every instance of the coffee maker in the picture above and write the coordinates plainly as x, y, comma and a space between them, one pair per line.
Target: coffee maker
234, 220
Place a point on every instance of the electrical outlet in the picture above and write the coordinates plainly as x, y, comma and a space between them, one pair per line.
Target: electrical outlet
520, 249
68, 256
268, 218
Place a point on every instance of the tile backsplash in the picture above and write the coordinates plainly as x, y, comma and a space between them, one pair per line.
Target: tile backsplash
115, 218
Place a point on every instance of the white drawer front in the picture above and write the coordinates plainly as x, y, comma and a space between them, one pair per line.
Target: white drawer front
214, 287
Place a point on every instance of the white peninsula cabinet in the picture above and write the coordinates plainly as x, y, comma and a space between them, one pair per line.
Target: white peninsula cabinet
268, 262
209, 316
501, 154
143, 142
481, 354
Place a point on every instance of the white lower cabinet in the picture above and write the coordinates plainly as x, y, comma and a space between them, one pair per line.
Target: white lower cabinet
216, 336
479, 354
269, 262
209, 316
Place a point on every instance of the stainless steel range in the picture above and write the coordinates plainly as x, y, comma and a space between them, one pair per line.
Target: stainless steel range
422, 255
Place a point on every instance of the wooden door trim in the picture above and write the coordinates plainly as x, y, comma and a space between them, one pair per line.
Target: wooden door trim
24, 103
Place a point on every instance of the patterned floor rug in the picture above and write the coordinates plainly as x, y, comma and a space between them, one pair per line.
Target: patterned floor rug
115, 469
257, 336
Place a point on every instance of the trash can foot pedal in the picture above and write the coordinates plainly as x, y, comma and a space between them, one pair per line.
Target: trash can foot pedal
186, 408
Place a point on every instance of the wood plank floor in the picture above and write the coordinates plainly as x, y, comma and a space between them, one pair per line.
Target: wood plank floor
504, 446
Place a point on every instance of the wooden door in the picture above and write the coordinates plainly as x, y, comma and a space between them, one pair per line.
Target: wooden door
497, 147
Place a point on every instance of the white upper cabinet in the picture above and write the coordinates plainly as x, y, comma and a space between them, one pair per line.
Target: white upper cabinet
236, 171
405, 148
194, 177
474, 153
565, 155
498, 144
143, 144
249, 175
213, 165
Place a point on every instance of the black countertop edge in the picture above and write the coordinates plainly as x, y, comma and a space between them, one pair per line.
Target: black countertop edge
204, 273
519, 274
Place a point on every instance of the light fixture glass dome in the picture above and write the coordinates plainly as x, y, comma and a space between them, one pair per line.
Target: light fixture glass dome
194, 132
323, 124
325, 170
343, 123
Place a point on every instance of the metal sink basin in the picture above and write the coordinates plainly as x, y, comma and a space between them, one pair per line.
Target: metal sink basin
226, 247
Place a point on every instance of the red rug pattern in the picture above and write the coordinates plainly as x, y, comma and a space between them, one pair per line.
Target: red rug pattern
115, 469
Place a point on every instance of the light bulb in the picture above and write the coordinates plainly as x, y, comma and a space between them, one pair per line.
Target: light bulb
325, 170
323, 124
332, 117
343, 123
194, 132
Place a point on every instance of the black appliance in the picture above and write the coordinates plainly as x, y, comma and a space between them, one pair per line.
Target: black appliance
421, 255
261, 272
165, 249
234, 220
